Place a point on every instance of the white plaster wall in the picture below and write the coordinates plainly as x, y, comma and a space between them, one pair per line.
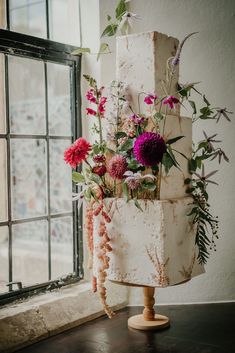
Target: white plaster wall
207, 57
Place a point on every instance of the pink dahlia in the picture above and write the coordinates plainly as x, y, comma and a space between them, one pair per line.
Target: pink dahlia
77, 153
117, 166
171, 101
149, 149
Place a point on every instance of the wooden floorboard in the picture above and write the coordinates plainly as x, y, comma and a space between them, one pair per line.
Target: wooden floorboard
207, 328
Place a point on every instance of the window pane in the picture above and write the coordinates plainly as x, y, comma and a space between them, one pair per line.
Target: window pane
3, 181
28, 17
4, 279
30, 252
2, 96
29, 190
27, 96
64, 21
61, 246
2, 14
59, 107
60, 178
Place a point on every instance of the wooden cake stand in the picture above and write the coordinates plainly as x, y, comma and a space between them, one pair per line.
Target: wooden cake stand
148, 320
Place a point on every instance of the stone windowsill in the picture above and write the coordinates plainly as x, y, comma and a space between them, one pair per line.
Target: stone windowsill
24, 323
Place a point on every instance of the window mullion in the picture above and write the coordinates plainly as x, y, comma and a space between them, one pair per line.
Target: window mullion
48, 172
8, 174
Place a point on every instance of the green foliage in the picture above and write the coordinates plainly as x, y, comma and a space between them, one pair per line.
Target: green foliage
78, 178
127, 145
120, 9
91, 81
110, 30
80, 51
158, 117
173, 140
137, 204
104, 49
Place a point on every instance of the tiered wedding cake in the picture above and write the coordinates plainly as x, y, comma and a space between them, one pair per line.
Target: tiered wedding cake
154, 247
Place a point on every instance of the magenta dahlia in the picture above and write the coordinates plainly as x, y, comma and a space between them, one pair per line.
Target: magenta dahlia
149, 149
117, 166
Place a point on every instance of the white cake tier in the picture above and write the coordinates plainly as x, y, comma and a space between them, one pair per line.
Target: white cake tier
172, 184
154, 248
142, 62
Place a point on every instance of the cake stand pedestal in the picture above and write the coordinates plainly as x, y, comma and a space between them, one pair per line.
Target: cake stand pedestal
148, 321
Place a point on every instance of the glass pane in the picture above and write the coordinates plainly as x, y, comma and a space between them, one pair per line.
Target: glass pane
59, 107
29, 188
28, 16
26, 96
2, 14
60, 178
61, 246
4, 279
2, 96
64, 21
30, 252
3, 180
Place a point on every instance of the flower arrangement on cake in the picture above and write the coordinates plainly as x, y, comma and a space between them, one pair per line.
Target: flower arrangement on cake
132, 151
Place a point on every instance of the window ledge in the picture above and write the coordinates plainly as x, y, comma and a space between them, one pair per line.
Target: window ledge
29, 321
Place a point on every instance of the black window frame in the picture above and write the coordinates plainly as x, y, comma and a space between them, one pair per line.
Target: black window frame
22, 45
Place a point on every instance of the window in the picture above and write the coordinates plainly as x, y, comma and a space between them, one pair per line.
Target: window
40, 229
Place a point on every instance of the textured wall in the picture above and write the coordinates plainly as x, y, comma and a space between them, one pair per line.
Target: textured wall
207, 57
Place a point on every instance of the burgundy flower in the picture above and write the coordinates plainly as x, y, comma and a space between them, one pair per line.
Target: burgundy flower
77, 153
149, 149
90, 111
171, 101
99, 170
117, 166
99, 158
150, 98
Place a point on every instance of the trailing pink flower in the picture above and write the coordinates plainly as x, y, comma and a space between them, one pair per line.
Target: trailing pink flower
90, 96
77, 153
149, 149
117, 166
171, 101
90, 111
150, 99
101, 106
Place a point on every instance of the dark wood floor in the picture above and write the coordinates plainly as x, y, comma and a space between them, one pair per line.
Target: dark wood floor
206, 328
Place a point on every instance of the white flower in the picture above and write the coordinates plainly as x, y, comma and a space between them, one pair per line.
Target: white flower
127, 21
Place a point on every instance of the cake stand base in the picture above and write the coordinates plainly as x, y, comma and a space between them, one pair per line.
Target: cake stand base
148, 321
